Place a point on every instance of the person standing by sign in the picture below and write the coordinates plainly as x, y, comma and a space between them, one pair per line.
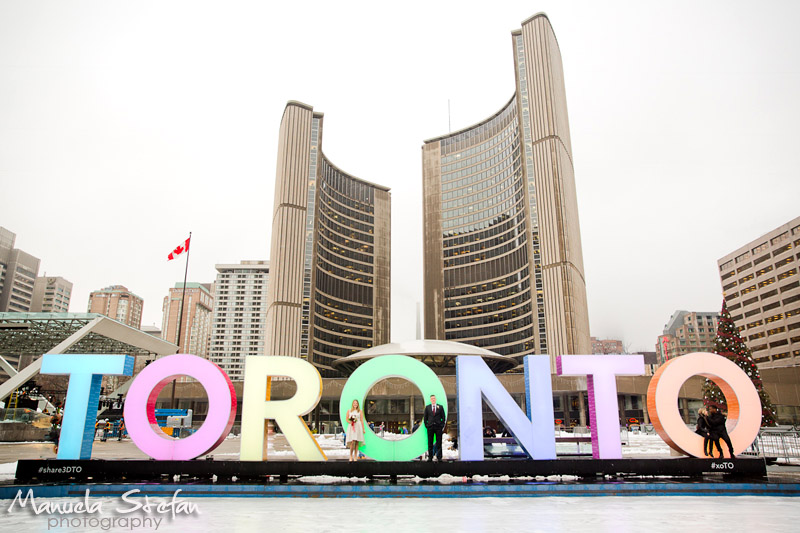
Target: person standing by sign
55, 431
434, 422
716, 426
355, 429
702, 429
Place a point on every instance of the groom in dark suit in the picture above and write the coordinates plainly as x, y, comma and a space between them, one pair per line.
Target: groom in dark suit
434, 422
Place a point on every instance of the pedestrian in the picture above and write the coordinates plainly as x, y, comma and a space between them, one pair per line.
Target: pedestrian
434, 422
121, 429
106, 429
98, 426
355, 429
716, 426
702, 429
55, 431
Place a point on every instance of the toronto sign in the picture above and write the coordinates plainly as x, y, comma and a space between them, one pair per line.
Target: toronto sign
533, 429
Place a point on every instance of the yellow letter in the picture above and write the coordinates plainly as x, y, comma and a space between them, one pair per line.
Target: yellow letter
257, 407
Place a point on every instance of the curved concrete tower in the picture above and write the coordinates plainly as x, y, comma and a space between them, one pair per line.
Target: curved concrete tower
502, 251
328, 293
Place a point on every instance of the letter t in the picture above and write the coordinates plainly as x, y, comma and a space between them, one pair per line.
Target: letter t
86, 373
601, 372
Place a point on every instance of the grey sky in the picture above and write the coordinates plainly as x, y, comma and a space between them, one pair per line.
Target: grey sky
123, 126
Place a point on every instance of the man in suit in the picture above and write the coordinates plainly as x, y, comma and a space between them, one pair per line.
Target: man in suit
434, 422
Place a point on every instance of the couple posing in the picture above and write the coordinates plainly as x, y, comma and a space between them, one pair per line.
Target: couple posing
434, 423
711, 426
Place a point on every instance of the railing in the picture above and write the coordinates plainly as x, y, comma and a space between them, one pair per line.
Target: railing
779, 443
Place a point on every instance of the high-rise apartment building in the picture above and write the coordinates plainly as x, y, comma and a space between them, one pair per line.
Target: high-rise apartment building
328, 291
240, 315
18, 271
502, 246
117, 302
195, 330
762, 290
51, 294
687, 332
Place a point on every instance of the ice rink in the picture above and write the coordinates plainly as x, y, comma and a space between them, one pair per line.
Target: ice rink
440, 515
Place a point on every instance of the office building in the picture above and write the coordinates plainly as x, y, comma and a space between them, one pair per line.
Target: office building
117, 302
51, 294
240, 315
687, 332
18, 271
502, 247
762, 289
195, 329
328, 293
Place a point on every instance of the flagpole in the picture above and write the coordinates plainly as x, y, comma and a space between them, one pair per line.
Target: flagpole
180, 314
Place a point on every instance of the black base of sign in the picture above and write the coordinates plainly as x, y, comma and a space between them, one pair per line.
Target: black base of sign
98, 470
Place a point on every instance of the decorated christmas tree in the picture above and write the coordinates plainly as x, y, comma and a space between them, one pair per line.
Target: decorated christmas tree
729, 344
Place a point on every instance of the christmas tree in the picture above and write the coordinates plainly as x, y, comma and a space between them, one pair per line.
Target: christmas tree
729, 344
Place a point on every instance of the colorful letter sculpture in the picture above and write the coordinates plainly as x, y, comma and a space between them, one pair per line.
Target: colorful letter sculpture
375, 370
86, 373
744, 406
539, 403
476, 382
601, 372
257, 407
140, 405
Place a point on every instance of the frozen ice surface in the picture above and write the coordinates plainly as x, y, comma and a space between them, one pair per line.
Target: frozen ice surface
7, 471
445, 515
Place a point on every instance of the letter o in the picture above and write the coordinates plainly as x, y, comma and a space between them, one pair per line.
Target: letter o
373, 371
744, 405
140, 405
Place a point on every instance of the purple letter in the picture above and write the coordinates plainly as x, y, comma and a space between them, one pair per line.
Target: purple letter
140, 405
601, 372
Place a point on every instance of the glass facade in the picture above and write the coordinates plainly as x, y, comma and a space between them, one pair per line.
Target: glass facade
502, 250
487, 278
308, 250
330, 252
344, 275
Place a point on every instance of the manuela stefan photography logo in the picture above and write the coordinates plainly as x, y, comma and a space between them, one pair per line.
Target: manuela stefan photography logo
132, 510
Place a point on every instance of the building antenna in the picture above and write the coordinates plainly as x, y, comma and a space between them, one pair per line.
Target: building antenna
449, 129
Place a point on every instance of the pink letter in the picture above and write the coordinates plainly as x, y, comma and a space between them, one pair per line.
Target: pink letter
744, 405
601, 372
140, 405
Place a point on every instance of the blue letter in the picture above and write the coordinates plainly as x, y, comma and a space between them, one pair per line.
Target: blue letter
86, 373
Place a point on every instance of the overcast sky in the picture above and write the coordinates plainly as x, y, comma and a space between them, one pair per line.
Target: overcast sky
125, 125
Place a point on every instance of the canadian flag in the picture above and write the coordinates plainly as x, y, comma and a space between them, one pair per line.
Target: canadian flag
179, 250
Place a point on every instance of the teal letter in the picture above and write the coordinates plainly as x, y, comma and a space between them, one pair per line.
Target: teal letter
375, 370
86, 373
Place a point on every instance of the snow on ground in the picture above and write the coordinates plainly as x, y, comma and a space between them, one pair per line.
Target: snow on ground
437, 515
7, 471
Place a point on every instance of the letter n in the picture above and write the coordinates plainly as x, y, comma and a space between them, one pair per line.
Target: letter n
476, 383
